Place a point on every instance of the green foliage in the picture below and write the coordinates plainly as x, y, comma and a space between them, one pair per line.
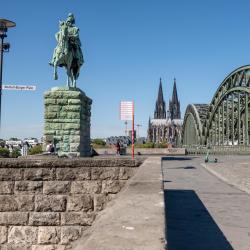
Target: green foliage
4, 152
161, 145
98, 141
145, 145
15, 153
152, 145
36, 150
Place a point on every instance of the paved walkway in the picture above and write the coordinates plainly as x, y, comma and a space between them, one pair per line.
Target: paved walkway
135, 219
203, 212
233, 169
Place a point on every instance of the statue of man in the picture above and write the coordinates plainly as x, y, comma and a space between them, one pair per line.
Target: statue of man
68, 51
74, 40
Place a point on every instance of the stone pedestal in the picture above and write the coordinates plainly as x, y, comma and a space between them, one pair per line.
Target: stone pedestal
67, 120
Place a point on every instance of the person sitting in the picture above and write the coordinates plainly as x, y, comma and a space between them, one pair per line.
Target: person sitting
50, 148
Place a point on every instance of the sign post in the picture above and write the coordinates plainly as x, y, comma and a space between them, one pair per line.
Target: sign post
127, 114
133, 130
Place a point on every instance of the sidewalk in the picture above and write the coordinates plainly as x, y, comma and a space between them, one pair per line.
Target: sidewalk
135, 219
234, 170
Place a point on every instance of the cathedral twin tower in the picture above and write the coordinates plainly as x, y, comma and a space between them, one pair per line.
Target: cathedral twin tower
166, 124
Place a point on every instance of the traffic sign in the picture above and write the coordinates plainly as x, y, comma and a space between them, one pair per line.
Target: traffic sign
126, 110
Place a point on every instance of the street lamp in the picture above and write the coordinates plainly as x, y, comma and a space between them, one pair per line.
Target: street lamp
4, 47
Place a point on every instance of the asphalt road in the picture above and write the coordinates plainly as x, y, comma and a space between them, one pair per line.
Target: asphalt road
201, 211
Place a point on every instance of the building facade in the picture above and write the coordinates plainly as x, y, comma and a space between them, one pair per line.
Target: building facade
166, 125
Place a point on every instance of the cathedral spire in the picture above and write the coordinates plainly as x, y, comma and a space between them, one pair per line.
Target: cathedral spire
160, 106
174, 96
174, 104
160, 93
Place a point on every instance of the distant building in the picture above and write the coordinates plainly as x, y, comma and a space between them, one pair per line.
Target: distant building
123, 140
14, 142
31, 141
166, 125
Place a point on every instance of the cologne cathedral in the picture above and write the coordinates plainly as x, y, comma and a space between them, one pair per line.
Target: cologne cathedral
167, 124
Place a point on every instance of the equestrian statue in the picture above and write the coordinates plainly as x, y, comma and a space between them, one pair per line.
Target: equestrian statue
68, 53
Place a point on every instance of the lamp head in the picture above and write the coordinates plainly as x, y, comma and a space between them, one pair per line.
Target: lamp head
4, 25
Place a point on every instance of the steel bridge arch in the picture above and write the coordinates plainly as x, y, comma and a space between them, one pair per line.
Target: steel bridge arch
225, 120
192, 132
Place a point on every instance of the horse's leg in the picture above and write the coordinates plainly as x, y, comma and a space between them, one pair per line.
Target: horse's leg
55, 72
68, 77
73, 80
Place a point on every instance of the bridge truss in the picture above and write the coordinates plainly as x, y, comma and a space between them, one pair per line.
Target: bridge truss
226, 121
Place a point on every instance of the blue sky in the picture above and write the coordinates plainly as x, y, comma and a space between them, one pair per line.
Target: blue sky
127, 45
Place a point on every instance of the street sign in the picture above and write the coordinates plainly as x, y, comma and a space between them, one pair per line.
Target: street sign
127, 114
126, 110
19, 87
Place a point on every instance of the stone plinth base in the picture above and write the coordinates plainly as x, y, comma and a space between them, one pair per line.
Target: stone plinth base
67, 120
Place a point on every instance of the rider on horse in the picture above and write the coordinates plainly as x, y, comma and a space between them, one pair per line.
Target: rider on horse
67, 44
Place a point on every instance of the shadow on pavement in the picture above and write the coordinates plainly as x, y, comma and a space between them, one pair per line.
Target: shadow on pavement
187, 167
176, 158
189, 226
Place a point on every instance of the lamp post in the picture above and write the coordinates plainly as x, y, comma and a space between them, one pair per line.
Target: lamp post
4, 47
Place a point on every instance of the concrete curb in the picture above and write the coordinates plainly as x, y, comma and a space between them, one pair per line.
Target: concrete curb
135, 219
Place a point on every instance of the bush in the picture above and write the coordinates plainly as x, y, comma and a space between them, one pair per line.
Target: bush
99, 142
145, 145
35, 150
161, 145
15, 153
4, 152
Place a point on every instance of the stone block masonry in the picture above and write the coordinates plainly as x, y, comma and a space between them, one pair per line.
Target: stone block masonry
48, 203
67, 120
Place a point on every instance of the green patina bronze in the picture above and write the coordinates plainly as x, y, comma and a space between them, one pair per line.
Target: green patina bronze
67, 120
68, 53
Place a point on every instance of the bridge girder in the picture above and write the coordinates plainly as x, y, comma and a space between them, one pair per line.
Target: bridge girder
227, 117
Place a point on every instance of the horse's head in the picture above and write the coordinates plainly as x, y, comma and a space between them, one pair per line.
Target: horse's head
63, 28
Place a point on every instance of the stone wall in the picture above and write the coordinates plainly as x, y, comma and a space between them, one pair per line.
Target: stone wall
67, 120
46, 204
